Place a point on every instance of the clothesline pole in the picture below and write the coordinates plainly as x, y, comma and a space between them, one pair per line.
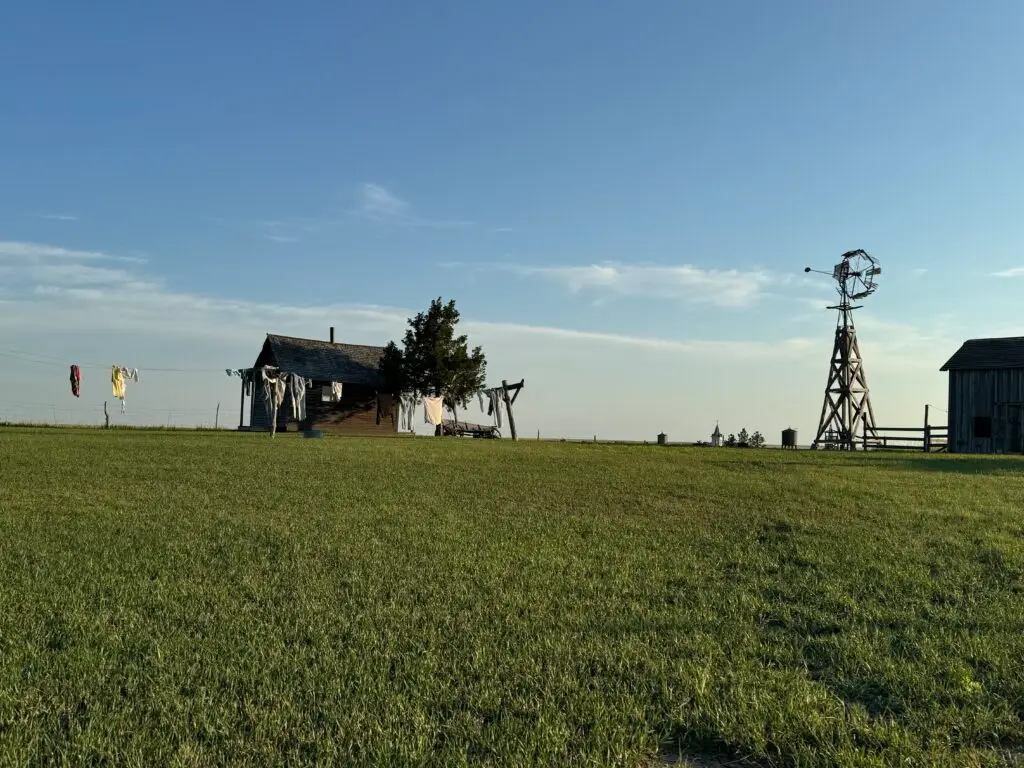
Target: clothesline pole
505, 389
216, 417
241, 404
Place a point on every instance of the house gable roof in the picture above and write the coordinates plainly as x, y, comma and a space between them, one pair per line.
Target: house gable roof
987, 354
323, 360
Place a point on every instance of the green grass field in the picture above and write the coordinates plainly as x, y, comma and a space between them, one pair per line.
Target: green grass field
201, 599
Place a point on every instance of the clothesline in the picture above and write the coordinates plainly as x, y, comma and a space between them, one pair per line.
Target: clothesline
27, 357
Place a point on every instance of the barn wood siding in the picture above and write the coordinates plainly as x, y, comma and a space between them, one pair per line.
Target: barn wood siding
996, 393
356, 414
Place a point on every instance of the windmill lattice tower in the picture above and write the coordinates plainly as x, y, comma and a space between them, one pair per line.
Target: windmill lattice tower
846, 413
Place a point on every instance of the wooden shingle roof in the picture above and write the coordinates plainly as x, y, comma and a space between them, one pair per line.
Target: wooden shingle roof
987, 354
323, 360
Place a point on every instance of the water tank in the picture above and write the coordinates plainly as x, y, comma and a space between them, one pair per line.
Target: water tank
662, 438
789, 438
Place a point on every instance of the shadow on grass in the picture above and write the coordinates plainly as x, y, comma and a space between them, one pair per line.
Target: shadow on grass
713, 755
961, 466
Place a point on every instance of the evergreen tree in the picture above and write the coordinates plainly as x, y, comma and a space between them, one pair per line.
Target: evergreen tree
434, 360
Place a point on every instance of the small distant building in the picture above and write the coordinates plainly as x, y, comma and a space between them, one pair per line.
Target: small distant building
716, 437
364, 395
986, 396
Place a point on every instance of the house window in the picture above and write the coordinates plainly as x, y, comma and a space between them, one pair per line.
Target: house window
330, 393
983, 426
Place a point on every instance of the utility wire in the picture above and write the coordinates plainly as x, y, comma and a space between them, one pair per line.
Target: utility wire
40, 359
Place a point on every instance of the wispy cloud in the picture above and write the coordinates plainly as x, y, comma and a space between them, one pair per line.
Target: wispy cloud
378, 203
723, 288
1012, 272
283, 238
920, 272
58, 217
58, 286
13, 249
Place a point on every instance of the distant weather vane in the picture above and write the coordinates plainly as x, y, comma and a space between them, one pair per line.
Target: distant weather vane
847, 412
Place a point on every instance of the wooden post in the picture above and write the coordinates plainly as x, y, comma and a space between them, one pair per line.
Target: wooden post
106, 416
216, 417
927, 431
508, 407
241, 402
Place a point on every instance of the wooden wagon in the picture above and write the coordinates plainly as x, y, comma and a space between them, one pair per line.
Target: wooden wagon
451, 428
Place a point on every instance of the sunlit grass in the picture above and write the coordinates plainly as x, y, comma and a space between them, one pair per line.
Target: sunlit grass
201, 599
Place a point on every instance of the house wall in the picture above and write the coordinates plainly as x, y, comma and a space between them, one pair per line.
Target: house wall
356, 414
997, 395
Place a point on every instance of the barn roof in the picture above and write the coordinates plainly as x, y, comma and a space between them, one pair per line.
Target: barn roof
986, 354
323, 360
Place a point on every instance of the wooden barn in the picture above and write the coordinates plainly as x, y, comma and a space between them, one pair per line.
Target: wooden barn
986, 396
365, 407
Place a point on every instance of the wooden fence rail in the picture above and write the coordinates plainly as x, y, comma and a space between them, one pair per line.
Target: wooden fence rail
925, 438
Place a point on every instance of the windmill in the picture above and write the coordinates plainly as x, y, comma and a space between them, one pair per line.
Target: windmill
846, 412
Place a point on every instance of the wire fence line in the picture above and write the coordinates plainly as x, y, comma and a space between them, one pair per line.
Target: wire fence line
87, 414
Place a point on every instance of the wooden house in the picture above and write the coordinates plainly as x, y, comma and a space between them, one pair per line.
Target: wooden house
365, 407
986, 396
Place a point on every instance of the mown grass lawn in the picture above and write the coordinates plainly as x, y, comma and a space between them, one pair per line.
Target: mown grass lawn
202, 599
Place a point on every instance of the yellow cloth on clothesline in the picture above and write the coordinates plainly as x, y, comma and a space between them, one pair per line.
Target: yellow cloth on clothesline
117, 382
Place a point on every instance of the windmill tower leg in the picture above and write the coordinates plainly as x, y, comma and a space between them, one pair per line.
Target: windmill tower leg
846, 412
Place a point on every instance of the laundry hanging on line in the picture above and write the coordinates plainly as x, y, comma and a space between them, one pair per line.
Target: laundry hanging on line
76, 380
119, 376
406, 411
432, 412
495, 399
385, 406
245, 375
277, 386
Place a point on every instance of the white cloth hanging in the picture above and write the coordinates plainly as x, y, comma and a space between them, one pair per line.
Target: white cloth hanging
432, 410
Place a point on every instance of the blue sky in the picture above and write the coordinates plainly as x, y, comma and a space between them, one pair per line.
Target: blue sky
620, 198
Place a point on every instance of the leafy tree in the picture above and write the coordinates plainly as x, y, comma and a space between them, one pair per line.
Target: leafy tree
392, 368
756, 440
743, 438
434, 361
730, 441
